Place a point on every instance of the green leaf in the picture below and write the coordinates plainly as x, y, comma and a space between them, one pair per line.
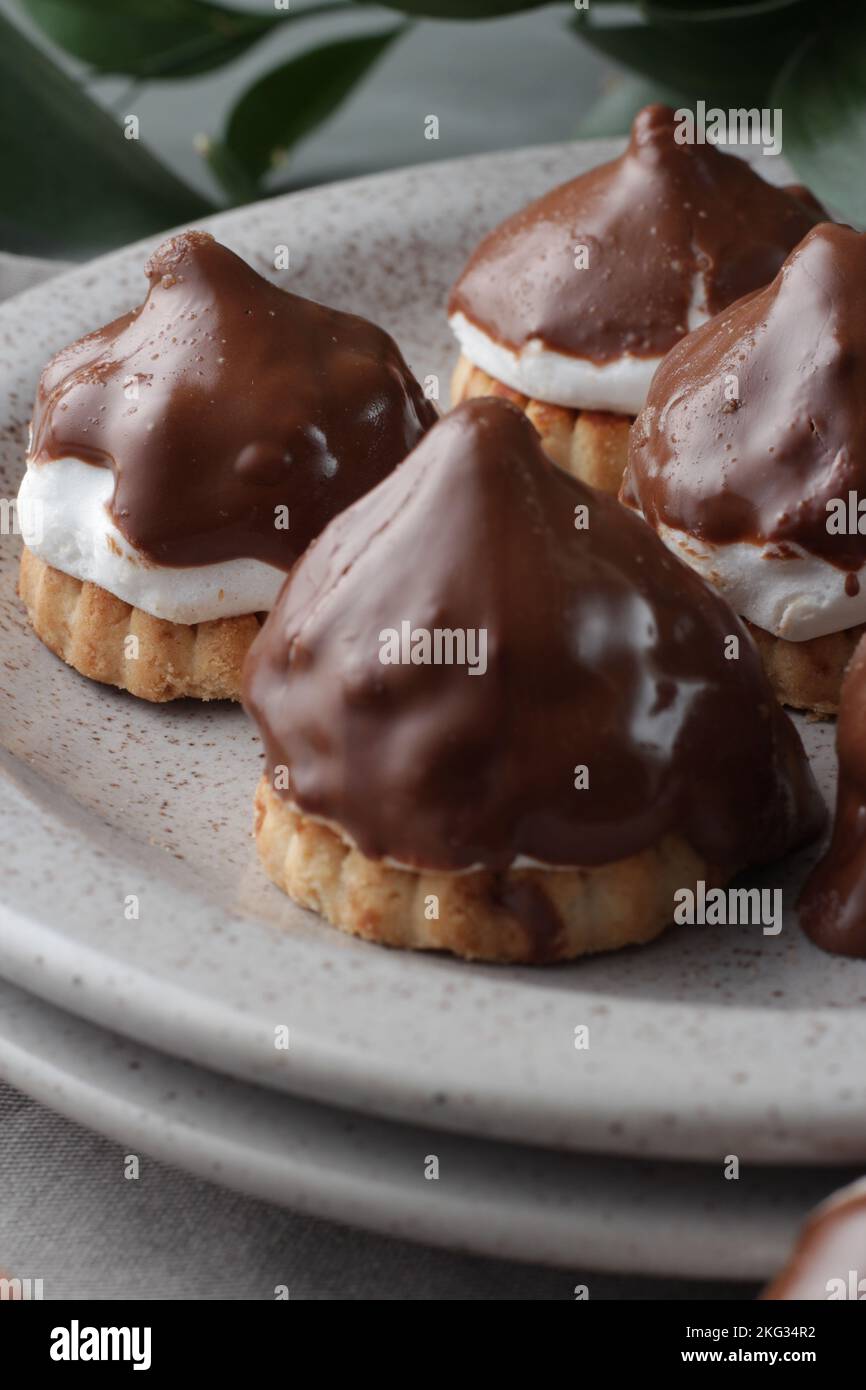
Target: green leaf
71, 181
713, 12
237, 183
282, 107
773, 27
703, 64
458, 9
151, 38
822, 93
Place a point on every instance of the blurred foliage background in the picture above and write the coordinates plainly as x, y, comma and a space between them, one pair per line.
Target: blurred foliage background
73, 180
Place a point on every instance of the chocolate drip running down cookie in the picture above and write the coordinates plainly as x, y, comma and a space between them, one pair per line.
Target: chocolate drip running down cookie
659, 221
601, 649
222, 398
184, 456
761, 462
568, 307
749, 460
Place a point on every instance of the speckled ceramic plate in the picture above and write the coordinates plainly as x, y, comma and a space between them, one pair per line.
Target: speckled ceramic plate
613, 1214
711, 1041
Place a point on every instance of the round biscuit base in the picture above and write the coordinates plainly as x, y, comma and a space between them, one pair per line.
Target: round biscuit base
808, 675
527, 916
88, 628
591, 444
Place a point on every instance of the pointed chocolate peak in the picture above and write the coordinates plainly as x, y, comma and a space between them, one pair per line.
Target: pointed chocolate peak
670, 232
463, 640
193, 252
755, 423
238, 418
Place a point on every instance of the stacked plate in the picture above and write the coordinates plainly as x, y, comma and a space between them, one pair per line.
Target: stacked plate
154, 976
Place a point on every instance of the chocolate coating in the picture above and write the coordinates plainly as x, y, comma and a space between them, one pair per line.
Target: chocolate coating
829, 1259
833, 902
651, 220
602, 649
249, 399
762, 468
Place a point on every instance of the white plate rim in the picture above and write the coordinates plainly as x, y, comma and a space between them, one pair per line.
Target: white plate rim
624, 1216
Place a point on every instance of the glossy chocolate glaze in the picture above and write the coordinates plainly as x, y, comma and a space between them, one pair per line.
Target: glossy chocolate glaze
651, 220
249, 399
829, 1259
602, 649
763, 467
833, 902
